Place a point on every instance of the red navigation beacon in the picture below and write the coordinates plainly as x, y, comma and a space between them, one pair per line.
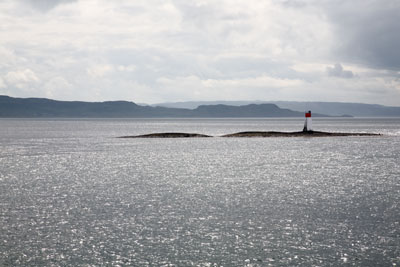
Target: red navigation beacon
308, 122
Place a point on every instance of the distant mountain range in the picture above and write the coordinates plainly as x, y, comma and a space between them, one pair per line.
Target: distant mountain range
46, 108
328, 108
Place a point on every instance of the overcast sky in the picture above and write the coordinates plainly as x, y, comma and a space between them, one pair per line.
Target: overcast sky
154, 51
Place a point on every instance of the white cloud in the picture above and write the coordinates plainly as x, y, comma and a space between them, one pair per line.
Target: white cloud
21, 78
6, 55
261, 81
58, 87
308, 67
99, 71
2, 84
129, 68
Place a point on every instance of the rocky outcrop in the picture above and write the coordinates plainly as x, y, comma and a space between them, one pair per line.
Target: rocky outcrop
167, 135
296, 134
253, 134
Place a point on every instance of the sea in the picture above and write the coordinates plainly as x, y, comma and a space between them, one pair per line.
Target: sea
73, 194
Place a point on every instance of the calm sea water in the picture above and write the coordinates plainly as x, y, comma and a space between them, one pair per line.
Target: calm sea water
71, 194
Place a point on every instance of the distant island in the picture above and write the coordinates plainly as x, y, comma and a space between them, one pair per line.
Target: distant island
46, 108
167, 135
252, 134
296, 134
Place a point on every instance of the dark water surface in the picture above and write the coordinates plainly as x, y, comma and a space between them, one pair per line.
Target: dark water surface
73, 195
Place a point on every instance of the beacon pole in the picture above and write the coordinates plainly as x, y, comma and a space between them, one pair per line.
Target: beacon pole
308, 122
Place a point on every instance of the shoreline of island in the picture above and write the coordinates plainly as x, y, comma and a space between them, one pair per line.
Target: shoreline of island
252, 134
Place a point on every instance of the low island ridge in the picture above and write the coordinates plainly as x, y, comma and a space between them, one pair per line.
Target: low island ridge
252, 134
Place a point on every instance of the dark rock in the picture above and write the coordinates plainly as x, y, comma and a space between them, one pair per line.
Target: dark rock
253, 134
296, 134
167, 135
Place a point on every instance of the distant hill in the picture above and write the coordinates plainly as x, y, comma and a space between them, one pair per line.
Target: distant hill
46, 108
195, 104
329, 108
338, 108
252, 110
42, 107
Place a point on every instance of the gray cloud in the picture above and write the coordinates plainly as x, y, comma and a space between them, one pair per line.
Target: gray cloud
45, 5
338, 71
367, 31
